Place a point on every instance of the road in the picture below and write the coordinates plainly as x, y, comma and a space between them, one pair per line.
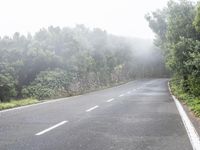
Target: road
139, 115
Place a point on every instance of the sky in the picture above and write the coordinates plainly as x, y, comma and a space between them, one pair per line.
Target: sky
119, 17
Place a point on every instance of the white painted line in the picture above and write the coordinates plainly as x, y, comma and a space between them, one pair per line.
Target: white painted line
129, 92
121, 95
51, 128
37, 104
90, 109
27, 106
191, 131
52, 101
110, 100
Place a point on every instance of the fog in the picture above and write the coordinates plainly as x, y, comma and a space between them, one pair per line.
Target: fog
122, 62
53, 49
119, 17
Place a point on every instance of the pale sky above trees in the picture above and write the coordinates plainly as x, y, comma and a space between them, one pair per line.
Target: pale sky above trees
120, 17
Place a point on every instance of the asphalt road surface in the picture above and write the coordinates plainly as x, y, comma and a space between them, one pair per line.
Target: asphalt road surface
139, 115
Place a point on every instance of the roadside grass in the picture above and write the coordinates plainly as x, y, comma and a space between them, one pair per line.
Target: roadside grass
29, 101
191, 101
17, 103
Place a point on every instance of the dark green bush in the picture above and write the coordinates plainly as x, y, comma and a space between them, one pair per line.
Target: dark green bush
7, 87
194, 84
48, 84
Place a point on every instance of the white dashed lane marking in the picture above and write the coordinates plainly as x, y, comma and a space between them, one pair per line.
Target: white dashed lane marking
90, 109
121, 95
51, 128
110, 100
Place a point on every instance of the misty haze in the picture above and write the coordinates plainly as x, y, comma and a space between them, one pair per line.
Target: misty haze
100, 75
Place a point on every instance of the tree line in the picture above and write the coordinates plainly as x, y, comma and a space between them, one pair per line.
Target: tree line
58, 62
177, 28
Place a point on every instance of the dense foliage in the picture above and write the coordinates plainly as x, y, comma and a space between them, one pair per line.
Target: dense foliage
57, 62
177, 29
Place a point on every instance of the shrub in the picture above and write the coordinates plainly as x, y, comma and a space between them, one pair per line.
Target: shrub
48, 84
7, 87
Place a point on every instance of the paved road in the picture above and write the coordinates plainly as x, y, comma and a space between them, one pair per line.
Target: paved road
140, 115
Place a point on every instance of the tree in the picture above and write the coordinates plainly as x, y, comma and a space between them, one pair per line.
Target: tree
181, 42
58, 61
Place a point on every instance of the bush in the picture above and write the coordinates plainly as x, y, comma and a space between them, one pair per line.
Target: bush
48, 84
17, 103
7, 87
194, 84
190, 99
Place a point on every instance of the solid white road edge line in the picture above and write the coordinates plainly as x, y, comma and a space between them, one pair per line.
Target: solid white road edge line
90, 109
51, 101
191, 131
37, 104
51, 128
27, 106
110, 100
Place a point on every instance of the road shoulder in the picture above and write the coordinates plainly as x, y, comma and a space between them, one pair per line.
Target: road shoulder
190, 122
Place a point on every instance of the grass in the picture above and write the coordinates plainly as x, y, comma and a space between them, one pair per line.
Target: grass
28, 101
190, 100
17, 103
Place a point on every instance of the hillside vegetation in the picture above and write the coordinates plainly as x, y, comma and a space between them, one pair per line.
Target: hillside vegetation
59, 62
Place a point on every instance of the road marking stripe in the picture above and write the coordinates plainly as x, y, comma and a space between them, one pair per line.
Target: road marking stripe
121, 95
54, 100
90, 109
129, 92
110, 100
191, 131
31, 105
51, 128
